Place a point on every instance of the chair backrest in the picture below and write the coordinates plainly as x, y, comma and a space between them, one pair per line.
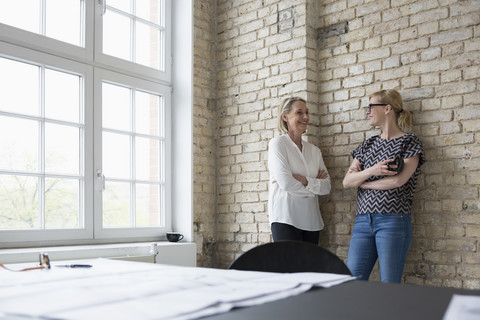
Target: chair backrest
290, 256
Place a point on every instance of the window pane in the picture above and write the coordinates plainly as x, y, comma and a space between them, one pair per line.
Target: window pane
116, 106
147, 205
131, 151
19, 199
64, 20
116, 156
116, 205
147, 46
113, 44
147, 113
19, 87
147, 159
148, 10
62, 149
23, 14
62, 203
62, 96
18, 144
124, 5
141, 29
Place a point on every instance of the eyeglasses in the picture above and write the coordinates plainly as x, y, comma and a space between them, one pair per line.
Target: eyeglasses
371, 105
44, 263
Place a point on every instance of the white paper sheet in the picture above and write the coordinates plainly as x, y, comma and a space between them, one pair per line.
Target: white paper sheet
462, 307
114, 289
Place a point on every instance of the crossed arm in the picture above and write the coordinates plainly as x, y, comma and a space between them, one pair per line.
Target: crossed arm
290, 180
356, 177
322, 174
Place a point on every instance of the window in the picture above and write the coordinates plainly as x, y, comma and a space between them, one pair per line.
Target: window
41, 130
58, 19
132, 154
84, 134
142, 48
142, 23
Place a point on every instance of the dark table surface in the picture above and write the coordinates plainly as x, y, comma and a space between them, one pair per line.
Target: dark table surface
355, 300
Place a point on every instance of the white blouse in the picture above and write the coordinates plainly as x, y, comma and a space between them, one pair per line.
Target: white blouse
289, 201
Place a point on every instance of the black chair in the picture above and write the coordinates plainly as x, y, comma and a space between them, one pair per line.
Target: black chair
290, 256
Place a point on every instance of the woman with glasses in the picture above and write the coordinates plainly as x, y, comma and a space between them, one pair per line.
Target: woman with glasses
297, 175
384, 169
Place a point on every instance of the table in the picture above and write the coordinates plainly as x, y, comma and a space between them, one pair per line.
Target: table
356, 300
145, 291
125, 290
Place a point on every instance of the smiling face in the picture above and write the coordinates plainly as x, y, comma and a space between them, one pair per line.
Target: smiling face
376, 114
297, 119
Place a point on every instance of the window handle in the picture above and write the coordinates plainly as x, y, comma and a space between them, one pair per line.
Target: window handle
104, 6
101, 178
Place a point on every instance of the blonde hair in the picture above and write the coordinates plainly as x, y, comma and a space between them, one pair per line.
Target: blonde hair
286, 107
393, 98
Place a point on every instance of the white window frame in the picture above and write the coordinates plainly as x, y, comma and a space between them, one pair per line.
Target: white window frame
142, 85
86, 71
179, 73
106, 61
49, 45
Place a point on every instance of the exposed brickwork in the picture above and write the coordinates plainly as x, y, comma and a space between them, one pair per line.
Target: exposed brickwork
334, 54
265, 52
422, 49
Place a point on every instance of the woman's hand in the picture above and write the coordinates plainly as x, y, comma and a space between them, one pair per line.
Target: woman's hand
322, 174
355, 176
393, 179
301, 178
381, 169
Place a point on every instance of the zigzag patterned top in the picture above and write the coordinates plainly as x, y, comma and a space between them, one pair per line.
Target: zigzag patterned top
376, 149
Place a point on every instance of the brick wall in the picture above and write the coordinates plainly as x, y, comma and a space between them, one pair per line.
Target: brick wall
430, 52
250, 54
266, 50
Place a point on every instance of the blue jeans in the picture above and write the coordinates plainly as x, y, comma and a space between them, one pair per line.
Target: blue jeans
384, 236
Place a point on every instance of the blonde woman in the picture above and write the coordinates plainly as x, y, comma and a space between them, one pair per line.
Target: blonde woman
297, 176
384, 169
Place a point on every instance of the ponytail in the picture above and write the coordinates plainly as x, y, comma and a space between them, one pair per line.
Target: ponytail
404, 119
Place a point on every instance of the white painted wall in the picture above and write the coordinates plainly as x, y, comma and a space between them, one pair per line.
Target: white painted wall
182, 118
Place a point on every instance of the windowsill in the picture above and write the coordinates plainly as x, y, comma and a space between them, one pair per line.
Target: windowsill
178, 253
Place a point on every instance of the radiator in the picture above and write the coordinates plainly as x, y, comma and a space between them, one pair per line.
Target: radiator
179, 253
150, 259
